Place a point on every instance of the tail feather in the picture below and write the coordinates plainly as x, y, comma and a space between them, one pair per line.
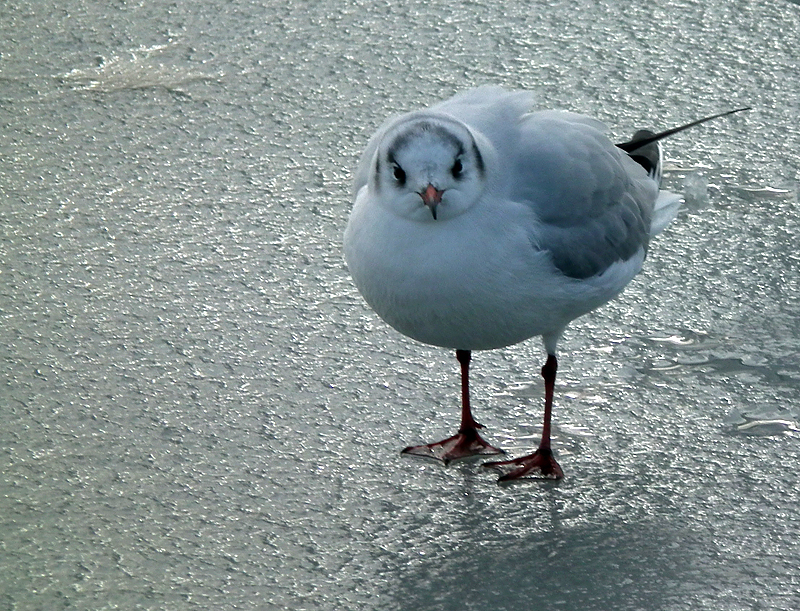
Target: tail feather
665, 210
649, 156
636, 143
645, 149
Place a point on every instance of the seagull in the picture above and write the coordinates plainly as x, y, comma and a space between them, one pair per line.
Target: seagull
478, 224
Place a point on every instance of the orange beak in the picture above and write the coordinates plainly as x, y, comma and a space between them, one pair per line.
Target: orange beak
431, 197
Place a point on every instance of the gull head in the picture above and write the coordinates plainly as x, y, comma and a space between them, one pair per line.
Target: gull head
428, 168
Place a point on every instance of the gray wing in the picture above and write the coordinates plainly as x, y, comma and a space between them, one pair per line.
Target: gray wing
594, 203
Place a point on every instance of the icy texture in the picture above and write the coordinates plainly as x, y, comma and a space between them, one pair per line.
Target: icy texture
199, 412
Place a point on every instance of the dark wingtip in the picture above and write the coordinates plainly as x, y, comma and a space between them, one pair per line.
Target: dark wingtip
637, 143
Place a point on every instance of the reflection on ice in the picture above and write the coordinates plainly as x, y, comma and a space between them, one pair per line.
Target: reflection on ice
141, 68
767, 427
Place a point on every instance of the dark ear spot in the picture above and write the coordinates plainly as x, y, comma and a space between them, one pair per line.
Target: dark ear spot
376, 176
478, 159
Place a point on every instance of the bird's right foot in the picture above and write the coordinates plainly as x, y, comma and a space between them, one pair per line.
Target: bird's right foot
465, 443
539, 465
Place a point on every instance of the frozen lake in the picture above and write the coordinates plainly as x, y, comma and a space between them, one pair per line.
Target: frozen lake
200, 412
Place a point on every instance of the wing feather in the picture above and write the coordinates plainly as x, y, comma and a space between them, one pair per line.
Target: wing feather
594, 203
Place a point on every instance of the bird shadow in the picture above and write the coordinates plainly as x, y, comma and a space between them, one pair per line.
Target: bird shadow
617, 565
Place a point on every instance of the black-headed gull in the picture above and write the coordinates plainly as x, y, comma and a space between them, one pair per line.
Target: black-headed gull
478, 224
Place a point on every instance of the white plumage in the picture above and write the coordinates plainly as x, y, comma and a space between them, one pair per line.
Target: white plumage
478, 224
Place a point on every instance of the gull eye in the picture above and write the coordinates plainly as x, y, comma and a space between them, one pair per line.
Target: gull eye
457, 169
399, 175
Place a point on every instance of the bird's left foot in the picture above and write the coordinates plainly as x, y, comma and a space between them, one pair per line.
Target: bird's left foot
539, 465
463, 444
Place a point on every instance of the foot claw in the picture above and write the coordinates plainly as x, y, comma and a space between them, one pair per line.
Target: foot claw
539, 465
464, 444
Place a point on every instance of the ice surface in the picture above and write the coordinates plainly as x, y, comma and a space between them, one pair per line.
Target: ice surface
199, 411
695, 191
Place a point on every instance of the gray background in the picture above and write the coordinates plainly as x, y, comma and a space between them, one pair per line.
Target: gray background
199, 411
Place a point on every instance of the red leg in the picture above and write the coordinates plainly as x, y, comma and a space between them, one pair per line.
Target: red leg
541, 462
466, 442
